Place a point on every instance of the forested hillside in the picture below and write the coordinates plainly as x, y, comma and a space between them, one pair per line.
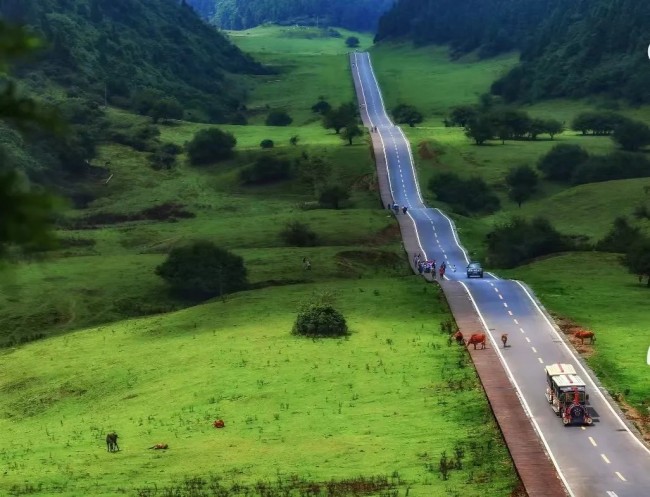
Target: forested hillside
123, 46
568, 49
361, 15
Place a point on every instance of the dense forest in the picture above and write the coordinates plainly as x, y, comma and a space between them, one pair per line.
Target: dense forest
114, 49
361, 15
568, 49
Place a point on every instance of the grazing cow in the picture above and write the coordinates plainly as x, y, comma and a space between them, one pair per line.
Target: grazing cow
582, 334
458, 336
219, 423
160, 447
476, 338
504, 339
111, 442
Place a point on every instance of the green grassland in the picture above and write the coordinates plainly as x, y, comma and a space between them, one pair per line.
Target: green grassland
110, 349
590, 288
308, 64
378, 402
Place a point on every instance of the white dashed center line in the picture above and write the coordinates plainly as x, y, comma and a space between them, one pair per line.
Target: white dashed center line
620, 476
510, 312
540, 360
516, 322
605, 458
504, 304
527, 339
522, 330
593, 442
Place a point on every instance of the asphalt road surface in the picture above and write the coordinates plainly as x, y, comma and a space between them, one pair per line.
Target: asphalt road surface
605, 459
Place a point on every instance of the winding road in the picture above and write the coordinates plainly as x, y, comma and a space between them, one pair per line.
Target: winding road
606, 459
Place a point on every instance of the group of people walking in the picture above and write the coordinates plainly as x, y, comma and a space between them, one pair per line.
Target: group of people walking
430, 266
396, 208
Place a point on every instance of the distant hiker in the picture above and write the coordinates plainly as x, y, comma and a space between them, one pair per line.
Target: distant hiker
404, 209
442, 272
389, 206
307, 264
396, 208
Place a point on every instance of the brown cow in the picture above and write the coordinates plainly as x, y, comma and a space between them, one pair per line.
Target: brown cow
504, 339
219, 423
458, 336
160, 447
476, 338
582, 334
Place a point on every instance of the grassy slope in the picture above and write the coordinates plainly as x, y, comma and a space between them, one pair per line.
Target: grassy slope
385, 400
593, 289
375, 403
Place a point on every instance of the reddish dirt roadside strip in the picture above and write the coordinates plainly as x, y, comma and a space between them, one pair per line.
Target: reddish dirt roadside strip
534, 467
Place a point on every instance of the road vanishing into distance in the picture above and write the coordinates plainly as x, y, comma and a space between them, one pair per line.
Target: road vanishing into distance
603, 460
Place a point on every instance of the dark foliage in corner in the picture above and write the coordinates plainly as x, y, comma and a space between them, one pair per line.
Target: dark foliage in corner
117, 48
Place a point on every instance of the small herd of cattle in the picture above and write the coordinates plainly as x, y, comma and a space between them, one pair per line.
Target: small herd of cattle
111, 439
479, 338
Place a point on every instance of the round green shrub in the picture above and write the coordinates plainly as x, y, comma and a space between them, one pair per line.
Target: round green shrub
266, 143
320, 320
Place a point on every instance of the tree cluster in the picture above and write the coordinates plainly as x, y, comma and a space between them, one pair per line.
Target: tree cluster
483, 123
572, 164
358, 15
568, 49
519, 240
626, 239
465, 196
157, 57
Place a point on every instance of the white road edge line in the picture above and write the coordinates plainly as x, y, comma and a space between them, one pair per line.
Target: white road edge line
519, 393
593, 384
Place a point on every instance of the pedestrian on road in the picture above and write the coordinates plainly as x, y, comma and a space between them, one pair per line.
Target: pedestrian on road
442, 272
389, 206
396, 208
404, 209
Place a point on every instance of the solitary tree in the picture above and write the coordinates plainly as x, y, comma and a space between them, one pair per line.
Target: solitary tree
351, 131
333, 195
278, 118
210, 145
631, 135
352, 41
202, 270
480, 129
165, 109
561, 161
637, 260
321, 107
407, 114
522, 181
340, 117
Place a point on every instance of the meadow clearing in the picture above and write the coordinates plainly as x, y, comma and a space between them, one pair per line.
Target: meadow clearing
94, 342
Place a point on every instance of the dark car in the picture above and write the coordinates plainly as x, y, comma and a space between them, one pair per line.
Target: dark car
474, 269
